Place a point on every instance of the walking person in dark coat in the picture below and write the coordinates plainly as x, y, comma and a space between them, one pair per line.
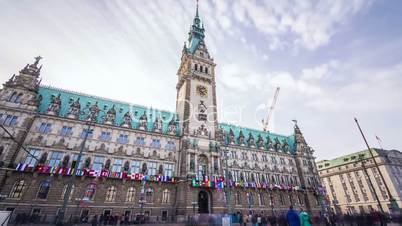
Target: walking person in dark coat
292, 217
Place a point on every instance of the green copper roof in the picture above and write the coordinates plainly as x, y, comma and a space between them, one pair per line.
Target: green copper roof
346, 159
196, 34
255, 134
136, 111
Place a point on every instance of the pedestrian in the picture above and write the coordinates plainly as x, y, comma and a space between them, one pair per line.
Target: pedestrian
292, 217
95, 220
304, 218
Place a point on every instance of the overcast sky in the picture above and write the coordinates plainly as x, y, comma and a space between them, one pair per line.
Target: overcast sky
333, 59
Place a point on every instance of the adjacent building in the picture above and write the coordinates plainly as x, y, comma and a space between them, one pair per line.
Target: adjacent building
347, 180
139, 160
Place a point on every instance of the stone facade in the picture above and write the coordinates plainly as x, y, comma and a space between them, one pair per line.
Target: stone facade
183, 159
348, 185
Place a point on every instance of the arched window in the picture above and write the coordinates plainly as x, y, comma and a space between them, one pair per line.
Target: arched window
196, 67
201, 68
149, 195
13, 97
90, 192
130, 194
260, 199
66, 160
238, 198
206, 70
18, 98
64, 192
250, 200
18, 188
111, 194
43, 190
165, 196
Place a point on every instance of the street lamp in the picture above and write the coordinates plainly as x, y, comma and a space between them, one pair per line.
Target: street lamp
91, 121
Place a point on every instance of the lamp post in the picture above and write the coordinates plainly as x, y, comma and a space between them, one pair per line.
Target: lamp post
67, 194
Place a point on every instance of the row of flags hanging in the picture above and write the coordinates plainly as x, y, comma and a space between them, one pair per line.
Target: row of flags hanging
66, 171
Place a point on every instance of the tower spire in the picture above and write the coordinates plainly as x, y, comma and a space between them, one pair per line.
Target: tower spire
196, 11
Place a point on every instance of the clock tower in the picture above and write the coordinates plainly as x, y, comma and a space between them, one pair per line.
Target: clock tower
196, 94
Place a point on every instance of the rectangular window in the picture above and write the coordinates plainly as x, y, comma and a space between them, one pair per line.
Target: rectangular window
123, 139
98, 163
152, 168
75, 164
44, 127
66, 131
10, 120
55, 158
140, 141
155, 143
170, 145
135, 167
105, 136
30, 160
86, 131
168, 170
118, 163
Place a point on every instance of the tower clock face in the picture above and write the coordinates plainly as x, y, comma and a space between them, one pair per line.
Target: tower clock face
202, 91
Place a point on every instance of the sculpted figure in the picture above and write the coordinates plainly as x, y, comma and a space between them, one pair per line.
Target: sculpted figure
74, 110
142, 122
110, 116
54, 106
126, 120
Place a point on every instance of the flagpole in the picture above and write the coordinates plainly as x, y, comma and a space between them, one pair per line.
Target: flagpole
391, 198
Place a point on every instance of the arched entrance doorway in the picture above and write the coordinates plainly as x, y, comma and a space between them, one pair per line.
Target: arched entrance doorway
203, 202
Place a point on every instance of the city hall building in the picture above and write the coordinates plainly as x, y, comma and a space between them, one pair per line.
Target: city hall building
138, 160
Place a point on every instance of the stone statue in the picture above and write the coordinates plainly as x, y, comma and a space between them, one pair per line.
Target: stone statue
241, 138
231, 137
250, 140
142, 122
126, 120
269, 144
93, 112
172, 127
285, 146
74, 110
157, 125
202, 130
110, 116
54, 106
260, 142
277, 144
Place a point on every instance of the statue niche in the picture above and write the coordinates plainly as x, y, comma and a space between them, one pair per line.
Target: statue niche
93, 112
260, 142
172, 127
250, 140
55, 105
126, 120
110, 116
231, 136
157, 127
241, 138
142, 122
74, 109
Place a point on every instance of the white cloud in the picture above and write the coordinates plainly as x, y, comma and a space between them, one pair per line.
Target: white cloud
311, 22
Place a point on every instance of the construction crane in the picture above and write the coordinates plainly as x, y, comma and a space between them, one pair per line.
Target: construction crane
265, 123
